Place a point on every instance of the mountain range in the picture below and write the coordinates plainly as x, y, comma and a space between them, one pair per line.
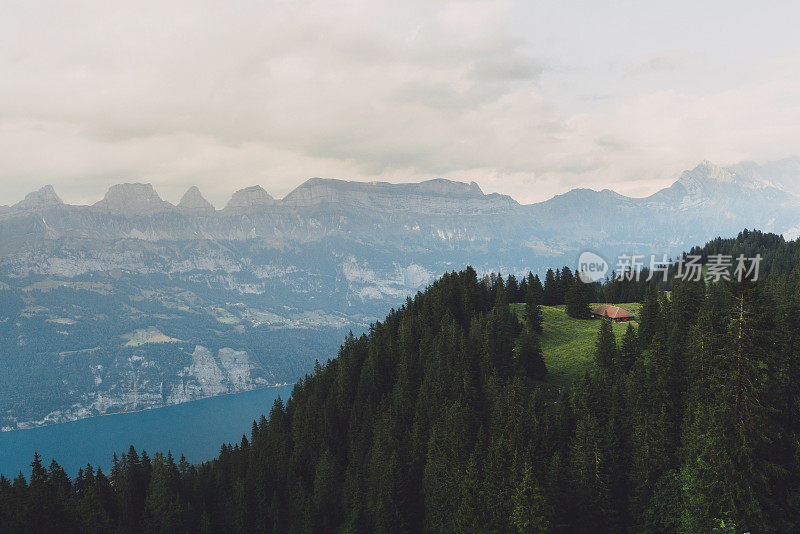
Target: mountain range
703, 202
134, 302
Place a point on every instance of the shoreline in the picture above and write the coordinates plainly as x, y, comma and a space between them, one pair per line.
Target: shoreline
6, 430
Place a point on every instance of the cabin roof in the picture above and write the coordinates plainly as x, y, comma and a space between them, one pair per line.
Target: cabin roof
613, 312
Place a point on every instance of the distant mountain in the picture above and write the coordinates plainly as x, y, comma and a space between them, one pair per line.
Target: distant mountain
133, 200
279, 281
430, 196
783, 174
437, 214
704, 202
193, 203
38, 200
249, 200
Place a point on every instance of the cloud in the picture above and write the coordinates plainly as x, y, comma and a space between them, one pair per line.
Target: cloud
658, 63
226, 95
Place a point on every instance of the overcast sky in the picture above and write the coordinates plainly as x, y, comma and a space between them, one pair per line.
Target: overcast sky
529, 99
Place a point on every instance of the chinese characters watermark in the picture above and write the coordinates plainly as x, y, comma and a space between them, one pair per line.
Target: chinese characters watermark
688, 267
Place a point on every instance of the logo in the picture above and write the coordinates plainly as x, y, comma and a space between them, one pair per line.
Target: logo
591, 267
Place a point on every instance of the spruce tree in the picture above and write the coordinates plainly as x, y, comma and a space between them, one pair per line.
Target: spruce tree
529, 357
577, 300
469, 516
535, 285
630, 352
550, 290
558, 288
591, 484
533, 312
39, 497
731, 430
6, 505
566, 280
606, 352
648, 316
528, 513
512, 288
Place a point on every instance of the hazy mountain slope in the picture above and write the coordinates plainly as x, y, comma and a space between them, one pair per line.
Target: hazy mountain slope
282, 280
704, 202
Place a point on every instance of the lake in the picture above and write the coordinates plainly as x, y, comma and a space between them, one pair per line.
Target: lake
196, 429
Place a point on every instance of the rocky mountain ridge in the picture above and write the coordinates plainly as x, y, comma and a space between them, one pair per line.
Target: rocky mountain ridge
713, 199
269, 285
698, 184
193, 203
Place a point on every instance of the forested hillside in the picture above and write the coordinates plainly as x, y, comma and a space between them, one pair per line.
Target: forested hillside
437, 420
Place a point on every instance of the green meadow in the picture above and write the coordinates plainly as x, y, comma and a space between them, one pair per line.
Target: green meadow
568, 344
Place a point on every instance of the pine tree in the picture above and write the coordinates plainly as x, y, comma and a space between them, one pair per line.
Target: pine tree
499, 290
7, 504
535, 285
94, 502
5, 501
630, 352
528, 513
550, 291
469, 517
566, 279
19, 499
61, 509
130, 478
512, 288
648, 316
732, 429
577, 300
529, 357
533, 312
326, 491
39, 512
664, 511
591, 483
649, 444
162, 509
558, 288
606, 346
447, 460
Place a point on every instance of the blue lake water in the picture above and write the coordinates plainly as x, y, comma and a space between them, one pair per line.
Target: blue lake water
196, 429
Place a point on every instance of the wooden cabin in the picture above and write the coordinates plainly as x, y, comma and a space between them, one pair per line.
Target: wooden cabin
617, 314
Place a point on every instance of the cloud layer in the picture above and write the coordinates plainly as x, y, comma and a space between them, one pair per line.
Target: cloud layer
525, 101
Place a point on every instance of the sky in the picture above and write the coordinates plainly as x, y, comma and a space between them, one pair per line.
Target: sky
529, 99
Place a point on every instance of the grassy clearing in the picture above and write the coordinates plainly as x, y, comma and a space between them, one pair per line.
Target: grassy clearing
147, 335
568, 344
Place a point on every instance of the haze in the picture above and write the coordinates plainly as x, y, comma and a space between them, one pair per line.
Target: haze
527, 99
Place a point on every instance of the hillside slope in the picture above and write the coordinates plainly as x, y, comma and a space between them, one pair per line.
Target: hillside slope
436, 421
568, 344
